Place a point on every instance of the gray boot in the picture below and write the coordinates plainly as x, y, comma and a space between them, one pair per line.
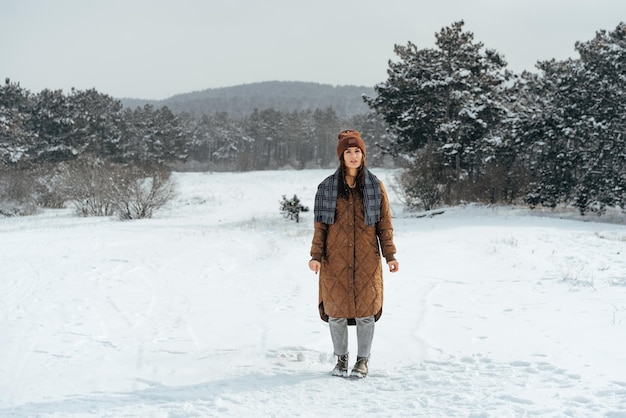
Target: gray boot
360, 368
341, 369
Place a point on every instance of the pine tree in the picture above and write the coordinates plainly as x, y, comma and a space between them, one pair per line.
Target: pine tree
98, 121
152, 136
53, 122
602, 120
449, 100
16, 131
291, 208
573, 126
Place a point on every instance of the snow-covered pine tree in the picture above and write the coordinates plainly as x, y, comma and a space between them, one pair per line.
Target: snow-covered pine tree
572, 126
450, 98
541, 134
16, 133
152, 136
266, 127
98, 119
219, 140
59, 137
602, 120
168, 142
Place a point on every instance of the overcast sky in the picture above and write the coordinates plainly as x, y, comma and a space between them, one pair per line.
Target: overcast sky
153, 49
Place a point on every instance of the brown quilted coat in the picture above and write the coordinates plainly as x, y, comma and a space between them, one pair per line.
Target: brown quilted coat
351, 281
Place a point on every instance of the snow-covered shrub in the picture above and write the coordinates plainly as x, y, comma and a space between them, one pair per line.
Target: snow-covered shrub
12, 208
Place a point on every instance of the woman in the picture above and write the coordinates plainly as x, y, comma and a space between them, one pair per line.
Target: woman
352, 228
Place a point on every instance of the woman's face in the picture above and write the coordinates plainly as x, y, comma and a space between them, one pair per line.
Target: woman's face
353, 157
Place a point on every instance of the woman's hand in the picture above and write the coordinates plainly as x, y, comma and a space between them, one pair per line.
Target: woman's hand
315, 265
393, 266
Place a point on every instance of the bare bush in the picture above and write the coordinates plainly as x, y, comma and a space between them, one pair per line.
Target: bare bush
421, 183
142, 191
48, 186
87, 185
16, 192
104, 189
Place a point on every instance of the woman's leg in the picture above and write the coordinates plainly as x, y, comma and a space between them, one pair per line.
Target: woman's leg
364, 335
339, 335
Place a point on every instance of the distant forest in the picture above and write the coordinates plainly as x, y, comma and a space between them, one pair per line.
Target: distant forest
258, 126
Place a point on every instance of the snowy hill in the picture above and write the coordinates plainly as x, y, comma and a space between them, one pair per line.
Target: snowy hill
209, 309
283, 96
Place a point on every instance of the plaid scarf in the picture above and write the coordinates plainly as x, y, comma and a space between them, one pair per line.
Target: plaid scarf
326, 198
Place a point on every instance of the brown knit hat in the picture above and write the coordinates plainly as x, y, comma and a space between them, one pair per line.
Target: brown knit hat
349, 138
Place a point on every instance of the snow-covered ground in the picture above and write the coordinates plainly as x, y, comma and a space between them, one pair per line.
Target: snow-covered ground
209, 309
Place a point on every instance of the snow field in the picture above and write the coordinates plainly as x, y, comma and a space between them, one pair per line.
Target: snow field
209, 309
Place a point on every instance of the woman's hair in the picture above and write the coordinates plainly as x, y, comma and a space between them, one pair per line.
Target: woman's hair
343, 187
